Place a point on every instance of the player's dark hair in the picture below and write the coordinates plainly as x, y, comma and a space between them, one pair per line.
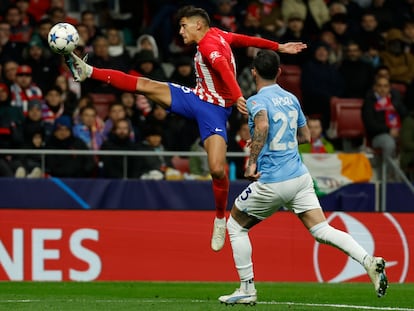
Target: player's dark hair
267, 64
191, 11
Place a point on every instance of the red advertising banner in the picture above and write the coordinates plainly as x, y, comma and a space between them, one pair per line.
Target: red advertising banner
69, 245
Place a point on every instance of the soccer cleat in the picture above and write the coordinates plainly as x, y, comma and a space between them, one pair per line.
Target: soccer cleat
376, 271
239, 297
79, 68
219, 234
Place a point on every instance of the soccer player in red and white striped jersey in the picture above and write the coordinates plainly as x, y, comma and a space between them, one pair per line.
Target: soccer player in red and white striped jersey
209, 103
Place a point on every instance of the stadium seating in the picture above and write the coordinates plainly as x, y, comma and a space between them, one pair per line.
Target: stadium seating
290, 79
181, 164
346, 117
101, 102
346, 120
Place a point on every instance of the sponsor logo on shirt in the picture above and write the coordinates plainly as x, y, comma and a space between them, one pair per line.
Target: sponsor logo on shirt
214, 55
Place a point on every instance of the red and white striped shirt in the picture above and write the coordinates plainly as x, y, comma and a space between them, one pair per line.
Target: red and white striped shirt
215, 65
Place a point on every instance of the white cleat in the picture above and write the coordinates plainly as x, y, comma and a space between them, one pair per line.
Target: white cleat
79, 68
239, 297
219, 234
376, 271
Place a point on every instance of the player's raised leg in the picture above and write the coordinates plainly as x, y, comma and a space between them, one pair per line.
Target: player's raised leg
158, 92
317, 225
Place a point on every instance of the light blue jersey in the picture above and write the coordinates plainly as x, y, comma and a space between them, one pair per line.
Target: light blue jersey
279, 159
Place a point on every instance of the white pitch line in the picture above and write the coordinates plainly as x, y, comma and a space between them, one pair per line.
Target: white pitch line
334, 305
288, 303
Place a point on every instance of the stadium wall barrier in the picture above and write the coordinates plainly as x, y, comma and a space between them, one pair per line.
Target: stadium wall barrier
55, 193
81, 245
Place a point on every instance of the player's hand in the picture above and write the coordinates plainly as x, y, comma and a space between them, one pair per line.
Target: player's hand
292, 47
251, 173
241, 105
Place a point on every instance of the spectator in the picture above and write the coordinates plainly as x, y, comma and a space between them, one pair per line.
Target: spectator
239, 143
372, 55
357, 74
119, 139
70, 98
71, 164
223, 17
369, 34
101, 58
31, 164
27, 18
24, 89
59, 15
147, 42
171, 126
154, 166
88, 129
9, 50
408, 33
407, 144
82, 102
295, 31
272, 22
145, 64
117, 48
84, 38
318, 143
315, 13
11, 119
19, 32
340, 27
9, 72
184, 73
401, 64
382, 113
336, 49
42, 31
33, 122
116, 112
133, 113
45, 67
382, 9
320, 81
199, 164
53, 106
88, 19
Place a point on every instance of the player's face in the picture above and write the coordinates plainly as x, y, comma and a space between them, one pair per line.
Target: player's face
188, 29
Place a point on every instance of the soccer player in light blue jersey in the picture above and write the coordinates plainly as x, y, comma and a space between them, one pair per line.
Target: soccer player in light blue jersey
280, 179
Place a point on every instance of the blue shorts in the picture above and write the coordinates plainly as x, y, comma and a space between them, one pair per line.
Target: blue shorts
211, 119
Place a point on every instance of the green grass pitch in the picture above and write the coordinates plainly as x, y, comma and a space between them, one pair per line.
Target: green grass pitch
201, 296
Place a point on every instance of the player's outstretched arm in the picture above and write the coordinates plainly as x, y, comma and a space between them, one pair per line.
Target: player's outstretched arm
239, 40
291, 47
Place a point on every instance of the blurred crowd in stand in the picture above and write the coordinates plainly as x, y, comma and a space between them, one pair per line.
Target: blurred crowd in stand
356, 49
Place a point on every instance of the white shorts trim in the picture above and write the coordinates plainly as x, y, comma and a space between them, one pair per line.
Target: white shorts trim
263, 200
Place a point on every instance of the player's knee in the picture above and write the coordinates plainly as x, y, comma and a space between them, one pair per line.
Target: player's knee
217, 172
234, 229
320, 231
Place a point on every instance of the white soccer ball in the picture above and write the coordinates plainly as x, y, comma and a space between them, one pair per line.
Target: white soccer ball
63, 38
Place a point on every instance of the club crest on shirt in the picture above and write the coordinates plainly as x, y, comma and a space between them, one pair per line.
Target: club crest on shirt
214, 55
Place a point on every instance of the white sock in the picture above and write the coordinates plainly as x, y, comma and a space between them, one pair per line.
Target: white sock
326, 234
242, 250
248, 286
